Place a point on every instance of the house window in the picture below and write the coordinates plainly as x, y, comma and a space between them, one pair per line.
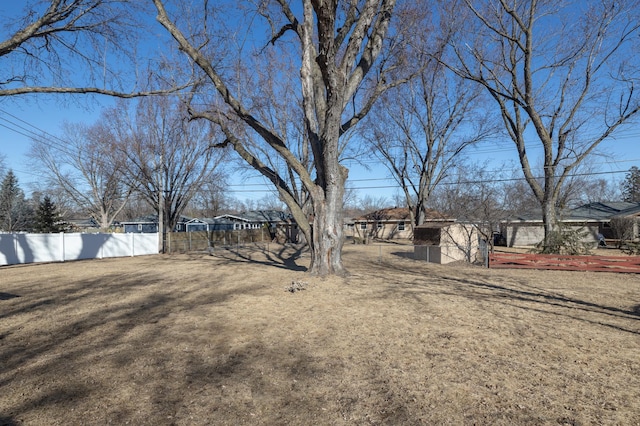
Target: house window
401, 226
380, 225
363, 225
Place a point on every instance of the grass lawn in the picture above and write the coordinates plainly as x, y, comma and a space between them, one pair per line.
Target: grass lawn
227, 340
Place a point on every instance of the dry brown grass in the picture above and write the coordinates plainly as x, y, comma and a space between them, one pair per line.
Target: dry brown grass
197, 339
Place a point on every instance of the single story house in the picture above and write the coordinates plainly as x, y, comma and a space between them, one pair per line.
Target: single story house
88, 225
386, 224
210, 224
595, 219
281, 225
149, 223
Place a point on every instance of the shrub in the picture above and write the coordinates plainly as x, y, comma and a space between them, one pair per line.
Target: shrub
565, 241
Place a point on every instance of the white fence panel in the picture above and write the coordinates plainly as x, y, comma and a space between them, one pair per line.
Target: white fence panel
31, 248
144, 244
119, 245
82, 246
39, 248
7, 250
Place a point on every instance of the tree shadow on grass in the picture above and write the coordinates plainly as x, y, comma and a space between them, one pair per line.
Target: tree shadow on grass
404, 254
108, 321
285, 256
8, 296
433, 281
7, 421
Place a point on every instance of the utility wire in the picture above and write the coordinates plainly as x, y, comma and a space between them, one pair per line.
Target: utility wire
62, 145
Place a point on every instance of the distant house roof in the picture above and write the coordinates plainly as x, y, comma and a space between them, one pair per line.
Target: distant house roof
151, 218
267, 216
605, 210
598, 211
203, 220
260, 216
83, 222
398, 214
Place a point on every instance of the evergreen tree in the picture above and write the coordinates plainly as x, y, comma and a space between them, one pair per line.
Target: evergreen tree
47, 217
15, 213
631, 186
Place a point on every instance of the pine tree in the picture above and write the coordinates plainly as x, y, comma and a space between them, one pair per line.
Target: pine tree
631, 186
47, 217
15, 213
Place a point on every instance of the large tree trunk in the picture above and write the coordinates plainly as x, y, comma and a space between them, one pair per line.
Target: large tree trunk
328, 232
549, 220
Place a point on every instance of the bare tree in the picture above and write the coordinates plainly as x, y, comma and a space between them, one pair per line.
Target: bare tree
343, 56
167, 158
210, 199
83, 165
75, 46
422, 129
473, 195
624, 230
560, 74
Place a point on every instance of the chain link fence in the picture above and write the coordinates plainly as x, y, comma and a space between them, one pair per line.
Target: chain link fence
441, 254
202, 241
184, 242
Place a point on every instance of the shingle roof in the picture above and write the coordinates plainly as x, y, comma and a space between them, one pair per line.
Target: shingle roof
398, 213
152, 218
261, 216
598, 211
603, 210
266, 216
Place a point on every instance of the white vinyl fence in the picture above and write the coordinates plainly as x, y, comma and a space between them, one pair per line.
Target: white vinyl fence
32, 248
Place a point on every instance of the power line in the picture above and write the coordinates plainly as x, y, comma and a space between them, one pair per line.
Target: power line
62, 146
470, 182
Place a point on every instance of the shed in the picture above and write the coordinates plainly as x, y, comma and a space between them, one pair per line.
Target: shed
445, 242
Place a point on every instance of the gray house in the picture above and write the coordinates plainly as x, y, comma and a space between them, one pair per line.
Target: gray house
595, 218
149, 223
210, 224
279, 224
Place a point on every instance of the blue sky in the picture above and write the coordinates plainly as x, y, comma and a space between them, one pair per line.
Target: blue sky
21, 116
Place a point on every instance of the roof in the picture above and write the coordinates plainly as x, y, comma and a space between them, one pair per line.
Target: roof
259, 216
151, 218
598, 211
602, 210
266, 216
398, 214
83, 222
256, 216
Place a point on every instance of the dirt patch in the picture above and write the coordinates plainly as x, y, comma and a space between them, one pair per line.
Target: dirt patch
249, 338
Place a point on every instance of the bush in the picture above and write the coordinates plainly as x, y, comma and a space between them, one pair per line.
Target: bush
565, 241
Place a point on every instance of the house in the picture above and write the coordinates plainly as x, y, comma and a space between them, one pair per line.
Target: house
447, 241
280, 225
210, 224
386, 224
88, 225
594, 218
605, 214
149, 223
